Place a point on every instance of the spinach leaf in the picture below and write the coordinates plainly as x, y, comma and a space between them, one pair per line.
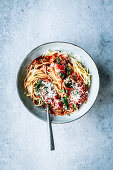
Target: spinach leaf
74, 106
66, 91
69, 70
74, 77
67, 61
62, 75
66, 102
58, 60
39, 84
62, 91
86, 85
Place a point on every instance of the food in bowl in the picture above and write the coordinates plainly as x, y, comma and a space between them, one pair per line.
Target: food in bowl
59, 80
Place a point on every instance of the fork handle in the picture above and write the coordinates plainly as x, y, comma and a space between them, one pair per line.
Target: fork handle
50, 132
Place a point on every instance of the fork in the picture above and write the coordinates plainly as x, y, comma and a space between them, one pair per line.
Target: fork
50, 132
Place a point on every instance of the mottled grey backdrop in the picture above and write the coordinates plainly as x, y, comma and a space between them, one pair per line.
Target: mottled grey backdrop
86, 144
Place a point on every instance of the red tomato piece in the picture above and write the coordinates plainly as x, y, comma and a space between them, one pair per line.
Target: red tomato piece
64, 57
46, 80
59, 68
83, 98
56, 54
84, 88
57, 104
34, 62
48, 57
56, 97
52, 59
48, 100
43, 68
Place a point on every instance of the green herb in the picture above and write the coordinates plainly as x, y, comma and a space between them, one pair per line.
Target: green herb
66, 102
33, 67
35, 74
86, 85
69, 70
51, 104
61, 74
76, 92
58, 60
39, 84
75, 78
44, 102
68, 114
45, 88
66, 91
75, 107
62, 91
67, 61
38, 90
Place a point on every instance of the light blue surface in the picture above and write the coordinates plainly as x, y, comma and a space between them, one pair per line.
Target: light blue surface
86, 144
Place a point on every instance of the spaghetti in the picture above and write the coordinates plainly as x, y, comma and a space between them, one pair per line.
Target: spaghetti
58, 80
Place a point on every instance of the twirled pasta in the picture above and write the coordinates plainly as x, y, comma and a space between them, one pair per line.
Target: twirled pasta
63, 75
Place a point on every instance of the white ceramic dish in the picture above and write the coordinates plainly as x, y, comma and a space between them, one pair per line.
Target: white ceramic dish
79, 53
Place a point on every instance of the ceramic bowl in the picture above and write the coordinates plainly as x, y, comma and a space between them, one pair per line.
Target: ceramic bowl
81, 55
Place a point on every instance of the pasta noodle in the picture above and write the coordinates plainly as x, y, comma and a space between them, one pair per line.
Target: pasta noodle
58, 80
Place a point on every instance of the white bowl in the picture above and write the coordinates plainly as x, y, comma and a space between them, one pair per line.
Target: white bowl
80, 54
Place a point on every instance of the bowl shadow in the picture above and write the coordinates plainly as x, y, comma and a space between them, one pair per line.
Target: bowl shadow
105, 95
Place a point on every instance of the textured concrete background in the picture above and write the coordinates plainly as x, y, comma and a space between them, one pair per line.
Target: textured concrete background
86, 144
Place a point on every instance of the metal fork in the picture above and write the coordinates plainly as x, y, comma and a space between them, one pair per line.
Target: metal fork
50, 132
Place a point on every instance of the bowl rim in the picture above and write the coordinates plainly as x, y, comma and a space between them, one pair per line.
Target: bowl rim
53, 43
